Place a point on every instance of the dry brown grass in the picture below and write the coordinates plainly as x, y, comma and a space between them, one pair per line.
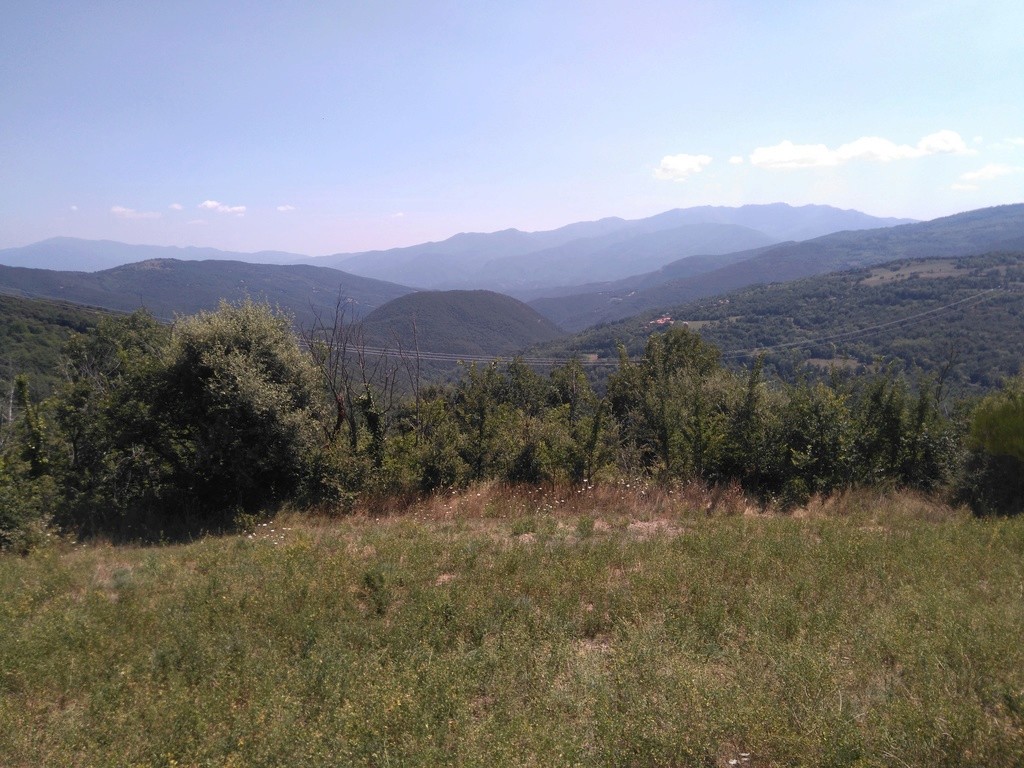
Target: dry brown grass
637, 506
875, 505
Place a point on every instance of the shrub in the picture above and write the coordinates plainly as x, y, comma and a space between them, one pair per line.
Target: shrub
993, 479
238, 407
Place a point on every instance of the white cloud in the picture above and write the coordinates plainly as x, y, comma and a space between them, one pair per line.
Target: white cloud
74, 207
786, 154
989, 172
877, 149
130, 213
736, 160
943, 143
964, 187
678, 167
213, 205
1017, 141
398, 215
285, 208
176, 207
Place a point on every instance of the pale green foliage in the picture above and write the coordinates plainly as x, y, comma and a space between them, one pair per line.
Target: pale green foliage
671, 404
26, 504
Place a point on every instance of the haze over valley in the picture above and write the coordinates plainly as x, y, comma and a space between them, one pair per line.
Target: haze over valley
687, 253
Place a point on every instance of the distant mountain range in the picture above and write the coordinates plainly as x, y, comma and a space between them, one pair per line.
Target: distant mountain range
581, 256
987, 229
524, 264
520, 263
72, 254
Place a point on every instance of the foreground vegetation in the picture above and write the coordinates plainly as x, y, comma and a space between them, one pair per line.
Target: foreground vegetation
578, 626
170, 431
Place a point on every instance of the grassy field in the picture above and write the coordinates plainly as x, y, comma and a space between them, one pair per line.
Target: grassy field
609, 626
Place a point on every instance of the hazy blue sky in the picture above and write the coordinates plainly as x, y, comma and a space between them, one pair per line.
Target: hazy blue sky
343, 126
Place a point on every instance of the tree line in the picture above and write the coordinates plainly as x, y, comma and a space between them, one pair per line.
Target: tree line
226, 415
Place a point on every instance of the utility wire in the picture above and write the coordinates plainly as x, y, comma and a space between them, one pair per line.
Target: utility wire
983, 295
545, 361
450, 357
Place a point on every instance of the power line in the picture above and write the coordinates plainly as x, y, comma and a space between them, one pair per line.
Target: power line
455, 358
451, 357
861, 331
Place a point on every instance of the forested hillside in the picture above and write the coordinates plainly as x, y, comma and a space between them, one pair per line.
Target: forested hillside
458, 323
166, 287
32, 336
961, 319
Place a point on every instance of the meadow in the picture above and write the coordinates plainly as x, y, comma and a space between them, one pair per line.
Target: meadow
621, 625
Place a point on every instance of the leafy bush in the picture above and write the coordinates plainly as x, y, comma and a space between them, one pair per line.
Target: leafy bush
239, 404
189, 426
993, 480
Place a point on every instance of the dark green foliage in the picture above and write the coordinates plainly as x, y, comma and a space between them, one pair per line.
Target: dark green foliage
26, 490
167, 287
167, 429
240, 405
586, 419
971, 341
993, 480
223, 416
811, 444
440, 452
32, 334
108, 459
458, 323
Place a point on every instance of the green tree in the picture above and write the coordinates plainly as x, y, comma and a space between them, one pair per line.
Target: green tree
670, 405
27, 491
748, 455
112, 466
240, 409
998, 423
812, 443
585, 418
166, 429
993, 478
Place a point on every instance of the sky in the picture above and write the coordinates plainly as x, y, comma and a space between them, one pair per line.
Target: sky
321, 128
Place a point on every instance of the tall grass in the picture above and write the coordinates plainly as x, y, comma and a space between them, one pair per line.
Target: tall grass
586, 626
